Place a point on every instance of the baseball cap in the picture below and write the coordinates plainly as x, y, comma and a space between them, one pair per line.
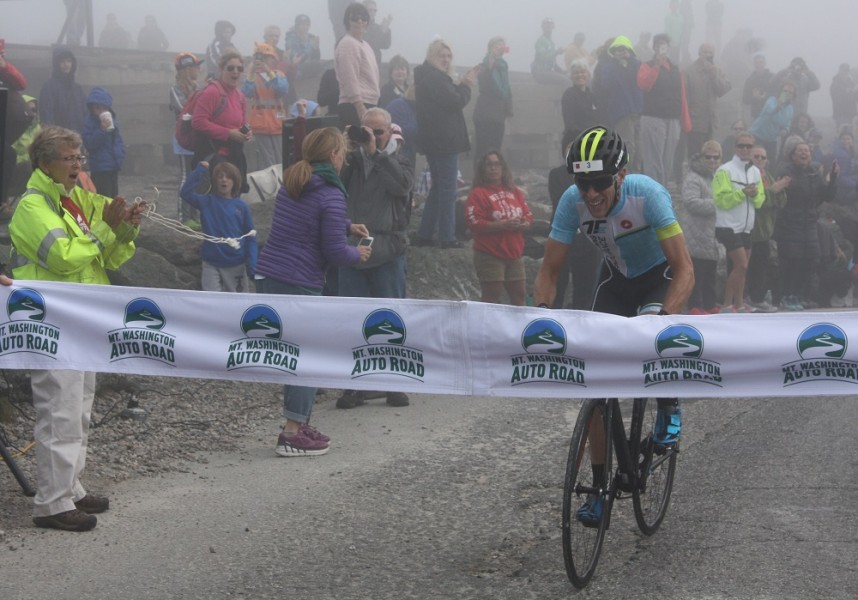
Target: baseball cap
265, 49
186, 59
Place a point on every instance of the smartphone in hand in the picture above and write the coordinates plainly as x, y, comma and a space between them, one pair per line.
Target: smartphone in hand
367, 241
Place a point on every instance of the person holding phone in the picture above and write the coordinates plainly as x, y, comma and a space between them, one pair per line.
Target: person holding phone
309, 232
738, 192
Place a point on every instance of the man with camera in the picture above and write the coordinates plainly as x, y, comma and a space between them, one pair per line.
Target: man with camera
378, 178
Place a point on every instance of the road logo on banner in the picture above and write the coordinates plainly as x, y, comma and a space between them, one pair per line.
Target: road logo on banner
680, 351
26, 330
142, 336
821, 347
262, 345
385, 352
544, 359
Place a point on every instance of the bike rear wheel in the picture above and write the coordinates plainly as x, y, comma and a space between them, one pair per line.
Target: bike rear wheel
657, 465
583, 544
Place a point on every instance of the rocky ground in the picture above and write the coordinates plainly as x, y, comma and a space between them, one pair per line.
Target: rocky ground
188, 416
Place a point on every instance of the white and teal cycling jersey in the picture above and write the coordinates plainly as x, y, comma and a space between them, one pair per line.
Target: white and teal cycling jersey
630, 235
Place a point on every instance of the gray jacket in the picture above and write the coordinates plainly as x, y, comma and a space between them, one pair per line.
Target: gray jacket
696, 212
380, 198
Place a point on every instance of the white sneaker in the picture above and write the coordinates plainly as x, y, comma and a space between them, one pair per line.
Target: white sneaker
762, 307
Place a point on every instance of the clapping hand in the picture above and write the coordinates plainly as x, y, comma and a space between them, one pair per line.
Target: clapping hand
115, 212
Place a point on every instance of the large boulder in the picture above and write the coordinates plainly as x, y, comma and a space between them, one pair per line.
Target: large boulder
148, 268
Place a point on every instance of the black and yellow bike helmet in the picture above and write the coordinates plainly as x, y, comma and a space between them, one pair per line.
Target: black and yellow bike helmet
596, 152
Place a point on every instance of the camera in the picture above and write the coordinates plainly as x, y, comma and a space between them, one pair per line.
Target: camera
357, 134
245, 129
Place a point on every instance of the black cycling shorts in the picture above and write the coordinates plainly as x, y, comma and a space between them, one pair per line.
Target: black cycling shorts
619, 295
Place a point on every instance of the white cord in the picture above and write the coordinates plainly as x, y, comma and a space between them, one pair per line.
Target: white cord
183, 229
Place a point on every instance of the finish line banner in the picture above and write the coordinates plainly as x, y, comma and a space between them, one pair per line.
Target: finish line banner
423, 346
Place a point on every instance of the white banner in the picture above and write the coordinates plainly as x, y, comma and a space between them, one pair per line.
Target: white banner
425, 346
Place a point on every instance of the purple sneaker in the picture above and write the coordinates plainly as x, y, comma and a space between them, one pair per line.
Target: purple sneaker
299, 444
313, 433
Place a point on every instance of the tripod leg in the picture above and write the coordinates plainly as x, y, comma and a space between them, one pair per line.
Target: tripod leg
16, 470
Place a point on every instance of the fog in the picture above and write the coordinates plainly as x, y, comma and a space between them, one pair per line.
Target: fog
821, 31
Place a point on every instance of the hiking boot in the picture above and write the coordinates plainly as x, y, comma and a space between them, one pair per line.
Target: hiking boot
71, 520
589, 514
350, 399
397, 399
668, 424
299, 444
313, 433
92, 505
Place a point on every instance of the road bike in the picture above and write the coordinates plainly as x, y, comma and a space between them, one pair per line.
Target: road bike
644, 472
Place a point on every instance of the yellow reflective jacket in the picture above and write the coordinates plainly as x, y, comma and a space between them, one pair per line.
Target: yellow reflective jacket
48, 244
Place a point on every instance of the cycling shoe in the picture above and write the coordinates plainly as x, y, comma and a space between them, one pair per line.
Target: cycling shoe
590, 513
668, 425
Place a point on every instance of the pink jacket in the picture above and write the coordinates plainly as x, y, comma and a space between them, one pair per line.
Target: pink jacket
357, 71
231, 117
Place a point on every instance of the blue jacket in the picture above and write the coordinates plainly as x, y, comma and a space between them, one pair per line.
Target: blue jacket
307, 235
616, 89
773, 118
106, 149
61, 100
226, 218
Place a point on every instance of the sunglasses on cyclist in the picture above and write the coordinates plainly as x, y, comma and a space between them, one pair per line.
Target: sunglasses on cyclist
233, 68
599, 184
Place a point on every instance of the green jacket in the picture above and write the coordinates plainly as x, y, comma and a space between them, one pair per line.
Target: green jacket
49, 245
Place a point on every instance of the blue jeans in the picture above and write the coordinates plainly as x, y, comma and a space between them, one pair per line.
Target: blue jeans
440, 210
297, 400
383, 281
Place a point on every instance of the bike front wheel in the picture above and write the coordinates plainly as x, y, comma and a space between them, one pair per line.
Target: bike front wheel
582, 543
656, 468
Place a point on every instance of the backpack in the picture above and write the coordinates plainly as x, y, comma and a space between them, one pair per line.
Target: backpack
185, 134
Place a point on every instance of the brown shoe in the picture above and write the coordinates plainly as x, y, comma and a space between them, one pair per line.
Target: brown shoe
71, 520
92, 504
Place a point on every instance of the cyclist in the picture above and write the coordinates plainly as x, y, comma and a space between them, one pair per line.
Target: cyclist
647, 269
